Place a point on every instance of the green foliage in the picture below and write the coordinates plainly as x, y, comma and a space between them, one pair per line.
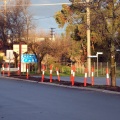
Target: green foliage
65, 69
104, 27
75, 34
62, 17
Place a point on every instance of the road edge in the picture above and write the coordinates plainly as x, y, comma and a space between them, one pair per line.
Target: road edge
65, 86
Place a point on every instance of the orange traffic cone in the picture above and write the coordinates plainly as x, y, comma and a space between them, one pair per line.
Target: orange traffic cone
18, 69
27, 76
43, 72
3, 69
107, 77
8, 66
92, 76
58, 74
73, 75
50, 73
85, 78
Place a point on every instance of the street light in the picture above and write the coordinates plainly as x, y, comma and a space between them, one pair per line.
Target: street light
98, 53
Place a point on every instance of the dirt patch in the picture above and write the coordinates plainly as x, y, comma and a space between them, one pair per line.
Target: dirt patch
68, 83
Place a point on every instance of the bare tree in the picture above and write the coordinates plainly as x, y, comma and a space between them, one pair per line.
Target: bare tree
40, 49
16, 22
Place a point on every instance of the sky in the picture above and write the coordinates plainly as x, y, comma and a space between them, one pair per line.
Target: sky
44, 14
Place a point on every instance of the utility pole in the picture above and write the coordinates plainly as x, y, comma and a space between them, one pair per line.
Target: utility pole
27, 29
112, 49
5, 18
88, 39
52, 33
86, 3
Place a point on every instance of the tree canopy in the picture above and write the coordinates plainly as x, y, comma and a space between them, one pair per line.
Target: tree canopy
13, 24
104, 26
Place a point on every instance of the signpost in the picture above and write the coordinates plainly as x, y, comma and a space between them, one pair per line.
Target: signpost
20, 48
9, 56
98, 53
28, 58
96, 56
23, 48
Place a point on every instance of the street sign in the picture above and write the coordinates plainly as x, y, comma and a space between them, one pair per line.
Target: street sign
9, 56
99, 53
23, 48
28, 58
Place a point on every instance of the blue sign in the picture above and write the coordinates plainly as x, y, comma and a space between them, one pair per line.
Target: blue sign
28, 58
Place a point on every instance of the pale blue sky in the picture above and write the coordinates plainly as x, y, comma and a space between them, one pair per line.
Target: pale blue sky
46, 12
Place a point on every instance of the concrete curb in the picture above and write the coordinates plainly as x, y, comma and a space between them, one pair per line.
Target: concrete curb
65, 86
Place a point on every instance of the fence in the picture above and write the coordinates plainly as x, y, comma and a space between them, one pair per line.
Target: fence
80, 69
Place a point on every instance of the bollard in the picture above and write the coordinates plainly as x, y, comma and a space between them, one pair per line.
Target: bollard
18, 69
50, 73
85, 78
73, 75
27, 74
8, 67
43, 72
92, 81
107, 77
3, 69
58, 74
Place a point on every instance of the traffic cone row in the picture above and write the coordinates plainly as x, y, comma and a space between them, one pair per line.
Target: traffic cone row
72, 77
92, 77
51, 70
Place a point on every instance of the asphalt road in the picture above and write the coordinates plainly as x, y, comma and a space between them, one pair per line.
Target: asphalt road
21, 100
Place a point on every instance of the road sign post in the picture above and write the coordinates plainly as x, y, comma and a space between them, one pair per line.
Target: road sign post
20, 49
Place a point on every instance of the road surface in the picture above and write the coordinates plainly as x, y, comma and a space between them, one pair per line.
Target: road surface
21, 100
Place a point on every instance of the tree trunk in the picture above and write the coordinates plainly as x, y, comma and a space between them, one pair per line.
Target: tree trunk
113, 31
39, 66
113, 73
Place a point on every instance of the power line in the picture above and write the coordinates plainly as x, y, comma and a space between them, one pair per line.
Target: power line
51, 4
41, 18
